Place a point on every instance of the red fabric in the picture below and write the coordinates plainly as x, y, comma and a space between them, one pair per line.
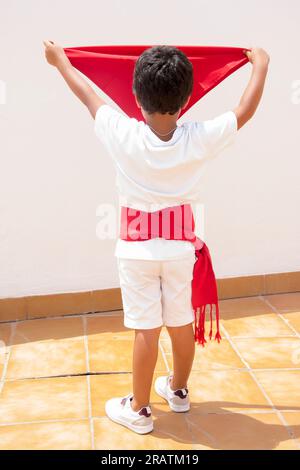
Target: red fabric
177, 223
111, 69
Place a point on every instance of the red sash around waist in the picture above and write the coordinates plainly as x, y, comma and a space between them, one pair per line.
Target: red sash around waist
177, 223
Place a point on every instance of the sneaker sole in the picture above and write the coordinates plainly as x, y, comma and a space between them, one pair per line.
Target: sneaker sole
176, 408
132, 427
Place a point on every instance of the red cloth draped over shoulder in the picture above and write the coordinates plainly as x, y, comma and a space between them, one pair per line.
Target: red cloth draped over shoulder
111, 69
177, 223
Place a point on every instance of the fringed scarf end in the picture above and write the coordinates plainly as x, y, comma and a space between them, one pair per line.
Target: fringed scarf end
199, 314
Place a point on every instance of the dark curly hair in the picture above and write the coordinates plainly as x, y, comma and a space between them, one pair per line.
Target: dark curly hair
163, 79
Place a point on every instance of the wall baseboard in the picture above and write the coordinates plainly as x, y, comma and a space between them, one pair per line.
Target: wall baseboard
53, 305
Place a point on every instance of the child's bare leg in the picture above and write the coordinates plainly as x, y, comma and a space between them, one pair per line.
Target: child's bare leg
145, 353
183, 348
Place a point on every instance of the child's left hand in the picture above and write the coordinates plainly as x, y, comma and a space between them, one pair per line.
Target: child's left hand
54, 53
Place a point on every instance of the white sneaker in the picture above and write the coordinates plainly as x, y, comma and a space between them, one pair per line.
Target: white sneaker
119, 410
178, 400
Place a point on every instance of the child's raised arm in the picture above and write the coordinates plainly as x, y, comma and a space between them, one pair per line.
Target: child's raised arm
253, 93
56, 56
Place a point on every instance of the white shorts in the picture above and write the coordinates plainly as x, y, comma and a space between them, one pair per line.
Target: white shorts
156, 293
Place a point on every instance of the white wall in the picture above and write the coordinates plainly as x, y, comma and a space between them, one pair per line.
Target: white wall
54, 174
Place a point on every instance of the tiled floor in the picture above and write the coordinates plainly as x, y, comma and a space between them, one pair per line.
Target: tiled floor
56, 375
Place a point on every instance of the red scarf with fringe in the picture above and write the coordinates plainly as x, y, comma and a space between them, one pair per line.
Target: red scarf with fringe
177, 223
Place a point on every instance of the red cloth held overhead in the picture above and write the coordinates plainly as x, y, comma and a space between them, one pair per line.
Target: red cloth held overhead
111, 69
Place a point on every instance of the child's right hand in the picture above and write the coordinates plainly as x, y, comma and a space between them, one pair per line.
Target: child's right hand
257, 55
54, 53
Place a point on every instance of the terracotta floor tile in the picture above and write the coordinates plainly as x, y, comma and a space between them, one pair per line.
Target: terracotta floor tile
282, 386
213, 355
171, 431
242, 307
5, 332
46, 329
219, 391
109, 355
285, 302
62, 435
164, 335
264, 325
44, 399
2, 360
251, 316
237, 431
266, 353
5, 336
46, 359
293, 319
293, 420
103, 327
104, 387
228, 411
114, 354
47, 347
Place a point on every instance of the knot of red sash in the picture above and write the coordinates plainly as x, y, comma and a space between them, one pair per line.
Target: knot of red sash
177, 223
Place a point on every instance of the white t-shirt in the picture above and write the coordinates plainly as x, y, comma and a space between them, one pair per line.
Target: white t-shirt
152, 174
